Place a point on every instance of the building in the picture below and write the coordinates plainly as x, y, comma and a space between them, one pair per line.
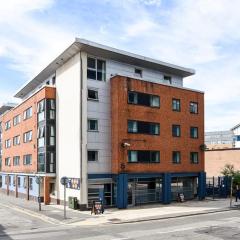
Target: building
223, 147
121, 127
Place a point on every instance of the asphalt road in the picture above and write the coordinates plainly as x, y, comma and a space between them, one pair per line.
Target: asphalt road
224, 225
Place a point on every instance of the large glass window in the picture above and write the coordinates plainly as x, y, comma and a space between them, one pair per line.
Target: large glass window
41, 162
142, 156
143, 127
143, 99
41, 136
176, 131
41, 111
52, 135
96, 69
176, 105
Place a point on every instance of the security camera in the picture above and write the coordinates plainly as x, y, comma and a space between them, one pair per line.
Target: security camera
126, 145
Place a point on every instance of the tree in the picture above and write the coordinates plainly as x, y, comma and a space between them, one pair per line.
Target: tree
228, 170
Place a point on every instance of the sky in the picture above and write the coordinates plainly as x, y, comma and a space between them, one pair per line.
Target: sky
199, 34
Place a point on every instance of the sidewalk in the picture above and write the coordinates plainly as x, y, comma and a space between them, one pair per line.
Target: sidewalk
54, 213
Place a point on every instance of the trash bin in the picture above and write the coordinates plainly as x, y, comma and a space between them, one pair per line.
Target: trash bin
72, 203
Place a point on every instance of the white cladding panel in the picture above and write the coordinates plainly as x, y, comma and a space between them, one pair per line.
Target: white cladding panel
101, 110
68, 123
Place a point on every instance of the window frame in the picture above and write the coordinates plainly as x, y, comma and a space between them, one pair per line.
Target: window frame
147, 125
178, 100
28, 136
25, 159
148, 95
192, 136
7, 125
191, 107
14, 162
192, 161
178, 126
140, 154
28, 113
96, 70
96, 152
94, 90
8, 161
17, 120
88, 124
173, 159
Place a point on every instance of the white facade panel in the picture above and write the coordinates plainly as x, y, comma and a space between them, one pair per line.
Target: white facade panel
68, 123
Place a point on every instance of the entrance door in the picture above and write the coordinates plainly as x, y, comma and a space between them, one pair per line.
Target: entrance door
131, 193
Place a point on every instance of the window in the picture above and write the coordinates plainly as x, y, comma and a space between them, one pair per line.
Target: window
7, 125
8, 161
96, 69
41, 110
140, 156
193, 107
92, 156
138, 72
92, 125
52, 104
51, 135
194, 157
16, 120
16, 140
27, 159
19, 182
41, 136
143, 99
41, 162
27, 137
92, 94
193, 132
176, 131
30, 184
16, 161
143, 127
176, 105
176, 157
132, 126
154, 101
6, 180
27, 113
14, 181
8, 143
10, 180
167, 79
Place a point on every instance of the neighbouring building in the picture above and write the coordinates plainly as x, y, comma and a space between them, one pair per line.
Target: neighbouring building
120, 126
223, 147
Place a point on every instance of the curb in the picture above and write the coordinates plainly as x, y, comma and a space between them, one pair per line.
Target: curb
170, 217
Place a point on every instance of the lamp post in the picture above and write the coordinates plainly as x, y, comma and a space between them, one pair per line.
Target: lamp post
39, 180
64, 182
231, 191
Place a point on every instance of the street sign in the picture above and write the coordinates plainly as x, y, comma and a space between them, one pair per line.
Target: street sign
64, 181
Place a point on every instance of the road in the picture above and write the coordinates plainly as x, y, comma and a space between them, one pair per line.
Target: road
19, 225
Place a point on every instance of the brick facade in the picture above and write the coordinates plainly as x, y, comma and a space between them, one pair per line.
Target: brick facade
20, 129
165, 143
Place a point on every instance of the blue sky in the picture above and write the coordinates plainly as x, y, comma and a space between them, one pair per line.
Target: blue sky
200, 34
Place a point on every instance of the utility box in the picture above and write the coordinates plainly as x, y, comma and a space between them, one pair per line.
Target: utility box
72, 203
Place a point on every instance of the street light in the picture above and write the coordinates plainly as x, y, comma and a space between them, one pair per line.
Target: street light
64, 182
39, 181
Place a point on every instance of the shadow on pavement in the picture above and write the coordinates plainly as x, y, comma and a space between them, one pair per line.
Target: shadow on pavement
3, 235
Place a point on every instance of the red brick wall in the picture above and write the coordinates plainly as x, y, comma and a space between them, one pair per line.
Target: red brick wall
122, 111
20, 129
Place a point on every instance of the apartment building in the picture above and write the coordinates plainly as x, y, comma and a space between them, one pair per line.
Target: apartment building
120, 126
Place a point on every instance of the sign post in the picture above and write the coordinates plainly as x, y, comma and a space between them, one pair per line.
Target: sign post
64, 182
39, 180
